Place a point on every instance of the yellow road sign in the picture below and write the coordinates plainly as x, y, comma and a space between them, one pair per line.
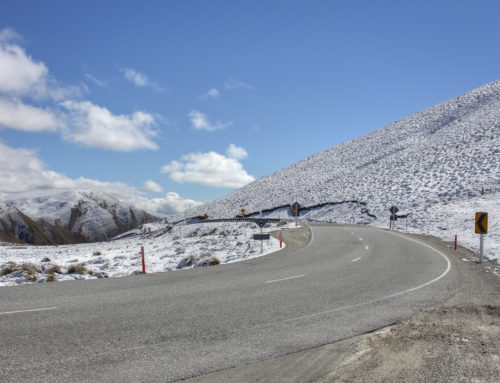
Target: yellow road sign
481, 223
243, 211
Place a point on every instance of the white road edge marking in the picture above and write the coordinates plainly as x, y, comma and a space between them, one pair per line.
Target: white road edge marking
357, 259
326, 312
284, 279
367, 248
28, 311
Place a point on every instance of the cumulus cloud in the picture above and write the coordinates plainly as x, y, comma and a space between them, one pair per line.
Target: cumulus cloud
212, 93
19, 73
171, 204
21, 170
211, 169
151, 186
96, 126
139, 79
16, 115
236, 152
199, 121
22, 76
233, 84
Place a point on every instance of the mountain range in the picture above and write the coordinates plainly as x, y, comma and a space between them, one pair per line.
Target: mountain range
53, 217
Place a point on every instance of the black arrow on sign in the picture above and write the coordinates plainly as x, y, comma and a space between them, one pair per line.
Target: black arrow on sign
479, 223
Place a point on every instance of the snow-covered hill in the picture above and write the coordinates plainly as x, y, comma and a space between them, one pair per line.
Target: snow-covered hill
66, 216
448, 153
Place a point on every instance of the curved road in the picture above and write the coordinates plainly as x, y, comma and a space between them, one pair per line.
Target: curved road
164, 327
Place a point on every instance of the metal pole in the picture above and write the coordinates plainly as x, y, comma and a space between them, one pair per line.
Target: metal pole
261, 242
481, 248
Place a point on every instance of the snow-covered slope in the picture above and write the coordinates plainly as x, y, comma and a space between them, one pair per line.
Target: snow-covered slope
448, 153
79, 215
440, 154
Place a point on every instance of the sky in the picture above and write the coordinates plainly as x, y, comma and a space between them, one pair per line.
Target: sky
168, 104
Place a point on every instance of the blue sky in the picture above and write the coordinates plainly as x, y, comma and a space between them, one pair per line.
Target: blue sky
144, 99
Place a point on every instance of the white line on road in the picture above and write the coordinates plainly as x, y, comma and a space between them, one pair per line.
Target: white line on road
27, 311
396, 294
284, 279
357, 259
367, 248
361, 239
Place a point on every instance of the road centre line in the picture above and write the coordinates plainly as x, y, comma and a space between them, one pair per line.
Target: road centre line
396, 294
285, 279
357, 259
27, 311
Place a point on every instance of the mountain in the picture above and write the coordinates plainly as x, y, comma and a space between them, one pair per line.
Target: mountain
446, 153
50, 217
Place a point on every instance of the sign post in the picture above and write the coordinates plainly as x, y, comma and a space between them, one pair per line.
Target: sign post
481, 228
295, 209
393, 217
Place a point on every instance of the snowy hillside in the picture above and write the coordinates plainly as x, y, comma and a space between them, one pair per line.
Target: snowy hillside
445, 154
166, 248
66, 216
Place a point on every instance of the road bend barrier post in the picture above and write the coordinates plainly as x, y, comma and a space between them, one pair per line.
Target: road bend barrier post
143, 262
455, 242
281, 239
481, 248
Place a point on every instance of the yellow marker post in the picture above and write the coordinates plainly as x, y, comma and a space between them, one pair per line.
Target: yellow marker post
481, 227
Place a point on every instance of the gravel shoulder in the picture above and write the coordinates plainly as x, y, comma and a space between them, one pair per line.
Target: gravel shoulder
457, 341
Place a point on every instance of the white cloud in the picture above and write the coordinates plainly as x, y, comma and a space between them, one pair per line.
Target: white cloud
96, 81
236, 152
212, 169
8, 34
16, 115
96, 126
19, 73
21, 170
151, 186
140, 79
199, 121
233, 84
212, 93
171, 204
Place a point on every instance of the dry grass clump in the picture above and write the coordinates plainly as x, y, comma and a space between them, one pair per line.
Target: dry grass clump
79, 269
8, 268
51, 278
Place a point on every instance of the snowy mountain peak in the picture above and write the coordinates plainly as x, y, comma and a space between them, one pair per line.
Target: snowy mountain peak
84, 215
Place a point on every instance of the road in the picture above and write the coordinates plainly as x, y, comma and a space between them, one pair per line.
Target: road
169, 326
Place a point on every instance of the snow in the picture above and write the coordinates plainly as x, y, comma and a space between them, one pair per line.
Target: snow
165, 248
438, 166
433, 165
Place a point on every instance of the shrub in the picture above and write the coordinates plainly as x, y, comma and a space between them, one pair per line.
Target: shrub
79, 269
51, 278
97, 253
46, 259
187, 261
53, 269
208, 262
8, 268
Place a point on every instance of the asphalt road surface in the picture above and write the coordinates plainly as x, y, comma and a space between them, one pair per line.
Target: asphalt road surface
164, 327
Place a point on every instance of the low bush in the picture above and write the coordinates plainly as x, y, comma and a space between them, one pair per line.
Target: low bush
79, 269
8, 268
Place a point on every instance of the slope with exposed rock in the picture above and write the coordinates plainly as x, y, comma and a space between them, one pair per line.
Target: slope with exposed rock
53, 217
